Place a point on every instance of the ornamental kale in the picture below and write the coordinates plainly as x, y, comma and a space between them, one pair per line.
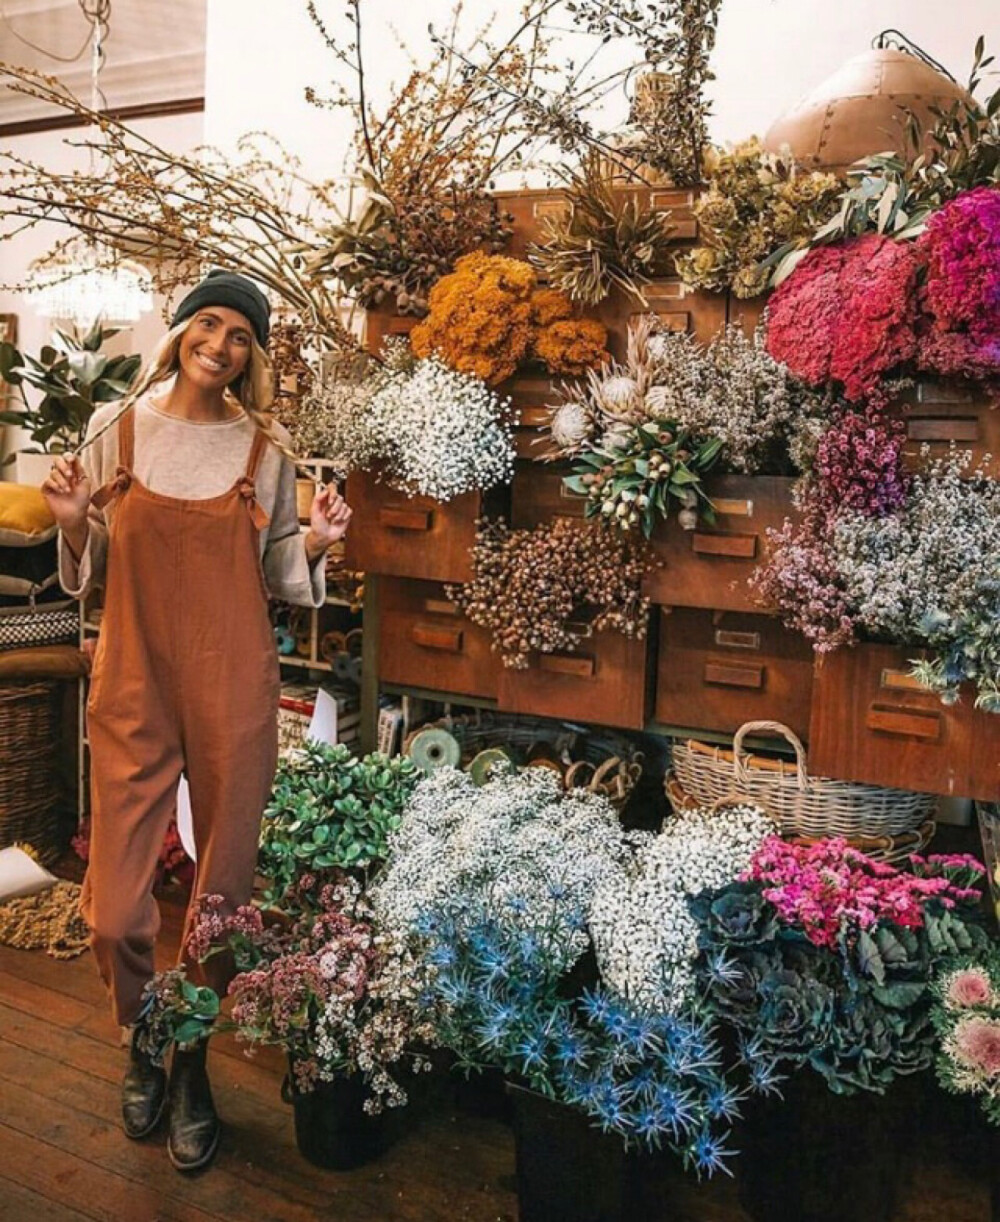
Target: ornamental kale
824, 959
966, 1015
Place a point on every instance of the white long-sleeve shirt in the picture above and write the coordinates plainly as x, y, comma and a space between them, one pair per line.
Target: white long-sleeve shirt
191, 460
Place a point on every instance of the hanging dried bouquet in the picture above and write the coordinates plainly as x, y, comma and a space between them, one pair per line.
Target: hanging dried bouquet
547, 589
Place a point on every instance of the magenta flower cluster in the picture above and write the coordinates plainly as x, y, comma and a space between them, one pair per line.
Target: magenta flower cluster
829, 888
961, 246
859, 463
847, 314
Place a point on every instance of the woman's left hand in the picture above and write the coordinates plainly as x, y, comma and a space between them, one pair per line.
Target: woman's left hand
329, 516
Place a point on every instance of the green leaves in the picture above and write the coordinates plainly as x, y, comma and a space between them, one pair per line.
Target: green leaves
73, 377
329, 810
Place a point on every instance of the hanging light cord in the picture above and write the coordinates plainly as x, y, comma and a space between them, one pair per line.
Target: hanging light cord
98, 15
897, 39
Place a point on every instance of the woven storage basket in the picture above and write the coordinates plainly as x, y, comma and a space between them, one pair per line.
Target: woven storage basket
29, 790
601, 762
804, 805
56, 623
889, 849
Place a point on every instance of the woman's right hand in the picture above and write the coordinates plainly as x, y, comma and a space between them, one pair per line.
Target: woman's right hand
67, 492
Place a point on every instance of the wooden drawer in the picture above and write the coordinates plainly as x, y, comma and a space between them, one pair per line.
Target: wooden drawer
604, 682
719, 669
529, 209
416, 536
871, 722
746, 312
530, 397
678, 308
939, 413
709, 567
380, 324
539, 495
425, 641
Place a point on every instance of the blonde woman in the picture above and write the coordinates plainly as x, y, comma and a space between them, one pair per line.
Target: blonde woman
183, 508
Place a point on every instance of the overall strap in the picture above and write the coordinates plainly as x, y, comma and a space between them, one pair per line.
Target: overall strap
126, 457
247, 485
257, 449
126, 439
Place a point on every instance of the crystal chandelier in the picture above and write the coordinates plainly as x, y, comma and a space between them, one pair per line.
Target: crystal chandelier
84, 281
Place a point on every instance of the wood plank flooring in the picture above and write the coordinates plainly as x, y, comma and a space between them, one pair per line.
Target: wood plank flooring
63, 1157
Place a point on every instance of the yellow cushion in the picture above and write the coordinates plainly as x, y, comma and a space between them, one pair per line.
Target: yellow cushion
24, 516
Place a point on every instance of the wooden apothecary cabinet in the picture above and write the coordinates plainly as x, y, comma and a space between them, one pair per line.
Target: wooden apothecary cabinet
719, 669
711, 565
404, 536
606, 680
425, 641
872, 722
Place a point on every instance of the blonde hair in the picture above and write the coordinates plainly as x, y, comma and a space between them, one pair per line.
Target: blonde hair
253, 390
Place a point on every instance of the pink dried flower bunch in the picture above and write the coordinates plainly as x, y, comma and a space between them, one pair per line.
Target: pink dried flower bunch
961, 247
828, 888
801, 578
859, 463
848, 313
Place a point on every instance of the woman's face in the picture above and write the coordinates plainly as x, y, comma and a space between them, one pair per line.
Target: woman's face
215, 348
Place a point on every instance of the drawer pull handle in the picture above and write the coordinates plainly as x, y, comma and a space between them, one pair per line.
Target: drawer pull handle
448, 640
578, 666
727, 638
674, 320
743, 547
405, 519
533, 417
733, 506
942, 428
734, 676
674, 197
901, 681
440, 606
904, 723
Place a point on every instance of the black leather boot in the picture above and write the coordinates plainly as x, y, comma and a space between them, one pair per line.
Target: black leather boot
194, 1126
144, 1091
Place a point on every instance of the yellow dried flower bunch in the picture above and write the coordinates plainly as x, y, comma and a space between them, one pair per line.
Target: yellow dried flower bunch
756, 202
489, 317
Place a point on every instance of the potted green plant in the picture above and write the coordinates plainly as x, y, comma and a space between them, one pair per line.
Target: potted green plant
329, 811
73, 377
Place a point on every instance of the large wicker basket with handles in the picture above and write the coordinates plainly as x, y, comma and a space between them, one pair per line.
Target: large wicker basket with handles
806, 806
29, 745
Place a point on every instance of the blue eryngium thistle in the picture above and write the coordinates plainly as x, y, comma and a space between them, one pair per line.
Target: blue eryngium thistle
708, 1153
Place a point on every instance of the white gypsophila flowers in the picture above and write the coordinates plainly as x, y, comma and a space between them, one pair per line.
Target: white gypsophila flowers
931, 557
519, 839
439, 432
643, 933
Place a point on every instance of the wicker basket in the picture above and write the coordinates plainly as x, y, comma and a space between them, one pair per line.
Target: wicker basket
29, 789
806, 806
889, 849
604, 763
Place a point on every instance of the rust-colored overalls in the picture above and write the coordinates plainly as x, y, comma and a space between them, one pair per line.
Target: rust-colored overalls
185, 679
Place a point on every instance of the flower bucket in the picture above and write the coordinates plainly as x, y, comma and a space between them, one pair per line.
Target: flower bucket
813, 1156
567, 1170
332, 1129
989, 829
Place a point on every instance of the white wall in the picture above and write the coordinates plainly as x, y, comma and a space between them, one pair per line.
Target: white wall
769, 53
178, 133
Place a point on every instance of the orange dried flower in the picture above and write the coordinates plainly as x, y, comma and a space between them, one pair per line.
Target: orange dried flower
549, 306
572, 345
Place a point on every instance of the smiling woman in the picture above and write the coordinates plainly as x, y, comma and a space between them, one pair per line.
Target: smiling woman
177, 494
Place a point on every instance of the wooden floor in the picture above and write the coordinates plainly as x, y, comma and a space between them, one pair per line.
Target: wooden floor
63, 1156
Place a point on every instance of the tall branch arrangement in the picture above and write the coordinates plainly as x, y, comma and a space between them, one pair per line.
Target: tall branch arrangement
180, 212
